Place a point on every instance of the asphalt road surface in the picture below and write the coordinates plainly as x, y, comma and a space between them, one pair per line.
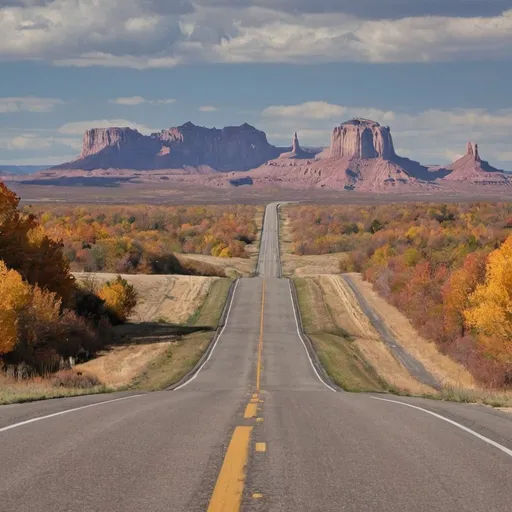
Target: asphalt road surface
256, 429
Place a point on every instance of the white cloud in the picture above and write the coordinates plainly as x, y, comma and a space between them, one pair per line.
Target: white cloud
79, 127
208, 108
35, 141
28, 104
336, 37
24, 142
139, 100
145, 34
110, 60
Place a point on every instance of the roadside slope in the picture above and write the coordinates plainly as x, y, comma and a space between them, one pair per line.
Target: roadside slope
348, 345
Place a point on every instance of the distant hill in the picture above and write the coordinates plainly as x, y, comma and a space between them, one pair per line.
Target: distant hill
234, 148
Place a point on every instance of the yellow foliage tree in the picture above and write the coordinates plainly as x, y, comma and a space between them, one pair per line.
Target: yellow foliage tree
490, 310
225, 253
15, 294
120, 297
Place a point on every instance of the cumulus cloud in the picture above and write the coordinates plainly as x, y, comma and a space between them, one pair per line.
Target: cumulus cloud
432, 136
145, 34
133, 101
376, 9
28, 104
35, 141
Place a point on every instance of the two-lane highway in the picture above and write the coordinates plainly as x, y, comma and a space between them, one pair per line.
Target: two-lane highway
255, 429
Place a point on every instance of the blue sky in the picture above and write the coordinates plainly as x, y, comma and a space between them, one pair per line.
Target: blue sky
437, 71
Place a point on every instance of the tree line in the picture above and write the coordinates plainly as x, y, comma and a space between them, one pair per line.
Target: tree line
144, 239
447, 267
45, 317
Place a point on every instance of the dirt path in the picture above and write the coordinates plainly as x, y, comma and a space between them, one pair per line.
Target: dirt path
397, 327
346, 313
413, 366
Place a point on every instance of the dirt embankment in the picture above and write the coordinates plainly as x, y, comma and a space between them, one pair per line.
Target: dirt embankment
336, 308
161, 298
166, 334
447, 371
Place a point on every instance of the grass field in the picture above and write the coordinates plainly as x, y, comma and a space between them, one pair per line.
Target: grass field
335, 347
171, 328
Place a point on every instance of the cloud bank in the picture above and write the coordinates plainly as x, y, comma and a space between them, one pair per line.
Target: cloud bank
145, 34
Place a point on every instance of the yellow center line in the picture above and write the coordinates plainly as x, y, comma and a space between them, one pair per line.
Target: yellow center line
227, 495
260, 343
250, 411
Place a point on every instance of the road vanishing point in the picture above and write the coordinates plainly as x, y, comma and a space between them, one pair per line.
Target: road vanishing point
256, 427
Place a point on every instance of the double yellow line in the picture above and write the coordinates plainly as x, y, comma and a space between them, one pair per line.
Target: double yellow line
227, 494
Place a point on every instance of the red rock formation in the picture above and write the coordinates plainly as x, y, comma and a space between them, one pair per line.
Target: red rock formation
232, 148
295, 144
97, 139
361, 157
472, 169
362, 138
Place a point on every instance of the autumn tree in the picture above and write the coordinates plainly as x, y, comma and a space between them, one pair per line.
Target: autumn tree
14, 296
457, 290
26, 248
120, 298
490, 306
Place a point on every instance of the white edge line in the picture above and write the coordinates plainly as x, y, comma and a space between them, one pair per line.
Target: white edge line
304, 344
39, 418
504, 449
217, 341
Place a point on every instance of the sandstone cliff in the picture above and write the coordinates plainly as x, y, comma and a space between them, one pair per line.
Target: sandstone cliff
361, 157
97, 139
232, 148
362, 138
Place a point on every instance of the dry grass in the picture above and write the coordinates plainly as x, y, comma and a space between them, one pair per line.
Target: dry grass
153, 354
233, 267
307, 266
149, 351
336, 350
350, 317
119, 366
174, 364
208, 314
332, 308
13, 391
447, 371
167, 298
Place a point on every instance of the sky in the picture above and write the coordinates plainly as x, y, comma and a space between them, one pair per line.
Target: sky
438, 72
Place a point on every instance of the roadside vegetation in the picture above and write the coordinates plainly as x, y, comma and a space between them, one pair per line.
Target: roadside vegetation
159, 345
446, 267
346, 343
147, 239
46, 319
50, 321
